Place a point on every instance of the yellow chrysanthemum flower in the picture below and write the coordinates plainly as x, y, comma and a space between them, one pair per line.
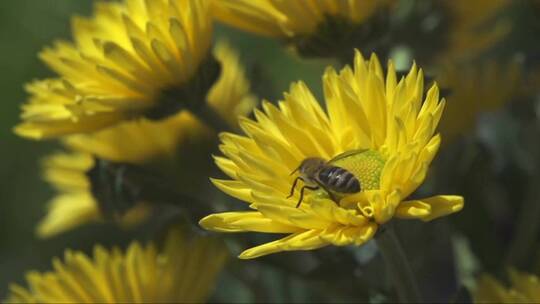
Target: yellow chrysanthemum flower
525, 288
184, 271
132, 59
314, 27
141, 143
380, 129
75, 205
472, 27
143, 140
334, 27
277, 18
475, 89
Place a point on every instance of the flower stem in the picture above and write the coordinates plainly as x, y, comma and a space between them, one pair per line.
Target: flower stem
398, 266
527, 229
211, 118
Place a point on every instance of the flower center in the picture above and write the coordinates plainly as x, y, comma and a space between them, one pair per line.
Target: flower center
189, 96
365, 165
118, 187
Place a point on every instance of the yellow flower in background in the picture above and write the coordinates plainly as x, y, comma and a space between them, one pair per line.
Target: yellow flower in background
332, 28
473, 27
380, 128
75, 204
143, 140
142, 143
281, 19
130, 60
524, 288
321, 28
474, 89
183, 271
231, 96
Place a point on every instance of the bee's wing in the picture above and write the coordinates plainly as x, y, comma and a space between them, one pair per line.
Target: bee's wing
346, 154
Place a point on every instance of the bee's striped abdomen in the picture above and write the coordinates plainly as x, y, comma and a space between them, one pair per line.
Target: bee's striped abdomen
339, 180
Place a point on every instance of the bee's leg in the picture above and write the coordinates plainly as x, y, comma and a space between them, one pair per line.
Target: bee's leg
333, 197
302, 193
294, 185
330, 194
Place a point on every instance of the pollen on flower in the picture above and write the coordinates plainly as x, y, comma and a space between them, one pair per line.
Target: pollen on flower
365, 165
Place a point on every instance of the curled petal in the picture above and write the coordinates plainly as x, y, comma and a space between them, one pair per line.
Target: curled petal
413, 209
430, 208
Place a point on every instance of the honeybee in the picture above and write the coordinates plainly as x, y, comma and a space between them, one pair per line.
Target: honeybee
318, 173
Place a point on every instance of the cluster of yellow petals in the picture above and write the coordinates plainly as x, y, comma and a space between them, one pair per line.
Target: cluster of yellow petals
120, 61
184, 271
366, 111
74, 205
143, 140
473, 27
476, 89
525, 288
278, 18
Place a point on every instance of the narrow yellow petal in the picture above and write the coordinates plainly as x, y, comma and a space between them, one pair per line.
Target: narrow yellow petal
244, 221
306, 240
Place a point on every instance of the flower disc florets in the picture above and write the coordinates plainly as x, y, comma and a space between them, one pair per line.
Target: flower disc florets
378, 128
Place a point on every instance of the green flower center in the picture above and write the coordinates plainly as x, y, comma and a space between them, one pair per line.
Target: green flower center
365, 165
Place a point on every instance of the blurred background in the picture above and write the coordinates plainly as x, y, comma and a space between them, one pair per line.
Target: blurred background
492, 158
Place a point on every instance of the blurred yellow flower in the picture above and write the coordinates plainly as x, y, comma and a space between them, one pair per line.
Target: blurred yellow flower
142, 140
140, 143
476, 88
525, 288
184, 271
384, 127
314, 27
130, 60
473, 27
75, 205
277, 18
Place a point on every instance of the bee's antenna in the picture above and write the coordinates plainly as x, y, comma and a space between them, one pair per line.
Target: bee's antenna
296, 170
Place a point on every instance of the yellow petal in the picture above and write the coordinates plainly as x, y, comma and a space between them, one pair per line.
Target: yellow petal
67, 211
413, 209
244, 221
430, 208
306, 240
234, 188
346, 235
330, 211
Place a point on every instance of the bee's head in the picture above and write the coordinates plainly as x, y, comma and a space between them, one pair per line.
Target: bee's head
310, 166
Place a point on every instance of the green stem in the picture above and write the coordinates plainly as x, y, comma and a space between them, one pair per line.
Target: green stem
527, 229
212, 118
398, 267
